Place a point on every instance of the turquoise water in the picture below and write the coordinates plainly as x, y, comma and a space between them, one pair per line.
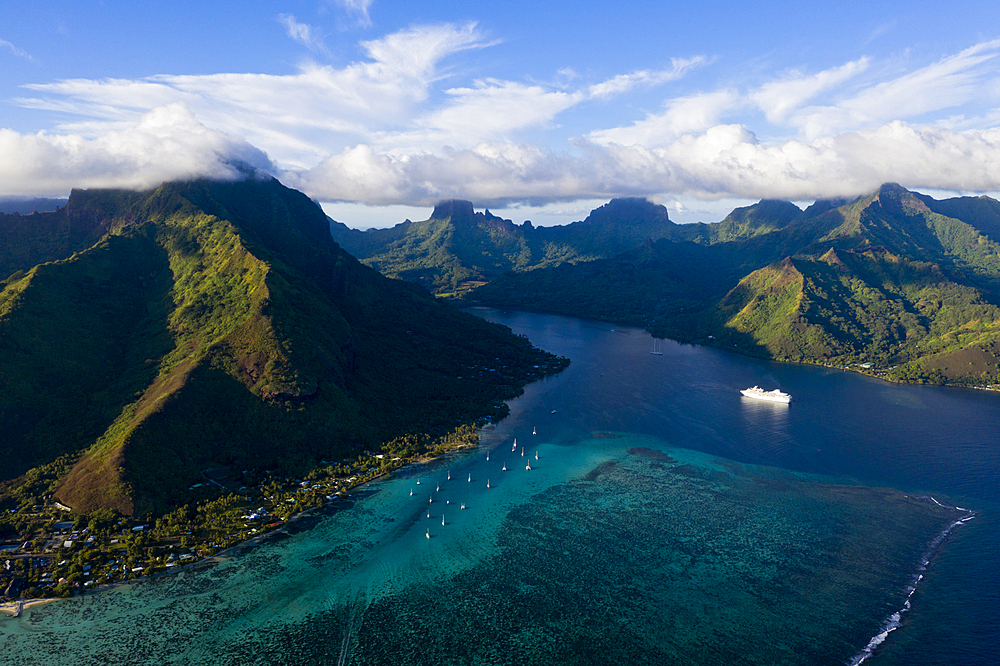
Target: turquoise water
645, 531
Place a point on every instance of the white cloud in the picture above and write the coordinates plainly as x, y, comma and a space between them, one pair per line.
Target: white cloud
683, 115
386, 131
294, 117
779, 98
303, 34
948, 83
725, 161
623, 83
167, 143
358, 9
489, 110
20, 53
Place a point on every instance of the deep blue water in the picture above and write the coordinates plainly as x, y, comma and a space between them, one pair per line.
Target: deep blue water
922, 439
645, 532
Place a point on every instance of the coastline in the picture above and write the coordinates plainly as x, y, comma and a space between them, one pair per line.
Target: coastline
14, 609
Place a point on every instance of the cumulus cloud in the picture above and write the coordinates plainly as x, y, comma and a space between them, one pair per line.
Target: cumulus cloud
723, 161
168, 143
386, 130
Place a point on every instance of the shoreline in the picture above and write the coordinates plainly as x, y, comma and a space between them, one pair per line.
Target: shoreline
14, 609
702, 343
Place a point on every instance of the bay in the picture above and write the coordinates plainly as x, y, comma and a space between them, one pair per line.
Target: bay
666, 519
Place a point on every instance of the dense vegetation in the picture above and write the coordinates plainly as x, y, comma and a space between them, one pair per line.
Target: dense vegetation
458, 249
146, 337
894, 282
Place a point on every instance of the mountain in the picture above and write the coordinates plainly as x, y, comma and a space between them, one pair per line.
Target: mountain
28, 205
457, 248
894, 279
146, 336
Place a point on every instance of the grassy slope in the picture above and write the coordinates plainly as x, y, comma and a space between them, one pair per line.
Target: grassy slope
220, 324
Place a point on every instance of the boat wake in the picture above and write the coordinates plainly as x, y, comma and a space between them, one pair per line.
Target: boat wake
894, 621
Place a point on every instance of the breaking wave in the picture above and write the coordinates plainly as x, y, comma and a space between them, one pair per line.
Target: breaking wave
894, 621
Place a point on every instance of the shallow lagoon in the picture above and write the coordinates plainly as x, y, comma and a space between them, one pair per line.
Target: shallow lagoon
630, 545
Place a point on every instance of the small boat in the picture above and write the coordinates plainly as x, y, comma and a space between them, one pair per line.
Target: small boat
504, 467
418, 482
447, 501
552, 412
463, 507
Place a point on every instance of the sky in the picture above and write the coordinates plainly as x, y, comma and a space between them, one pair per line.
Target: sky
378, 109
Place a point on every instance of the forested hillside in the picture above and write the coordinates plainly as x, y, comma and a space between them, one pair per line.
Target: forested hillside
147, 335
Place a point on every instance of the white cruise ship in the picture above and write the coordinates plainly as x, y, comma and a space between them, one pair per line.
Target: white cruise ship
760, 394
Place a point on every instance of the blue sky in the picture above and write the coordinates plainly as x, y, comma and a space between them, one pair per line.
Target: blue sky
540, 111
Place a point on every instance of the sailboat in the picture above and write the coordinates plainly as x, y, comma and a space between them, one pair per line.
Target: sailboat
528, 467
536, 455
428, 535
470, 477
428, 514
442, 519
411, 492
656, 348
522, 451
449, 475
504, 467
438, 489
487, 456
534, 432
418, 482
430, 500
487, 483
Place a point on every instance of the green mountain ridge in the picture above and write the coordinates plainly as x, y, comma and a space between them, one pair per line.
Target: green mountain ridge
218, 324
457, 247
889, 279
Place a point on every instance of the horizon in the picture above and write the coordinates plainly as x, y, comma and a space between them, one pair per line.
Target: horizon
379, 109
